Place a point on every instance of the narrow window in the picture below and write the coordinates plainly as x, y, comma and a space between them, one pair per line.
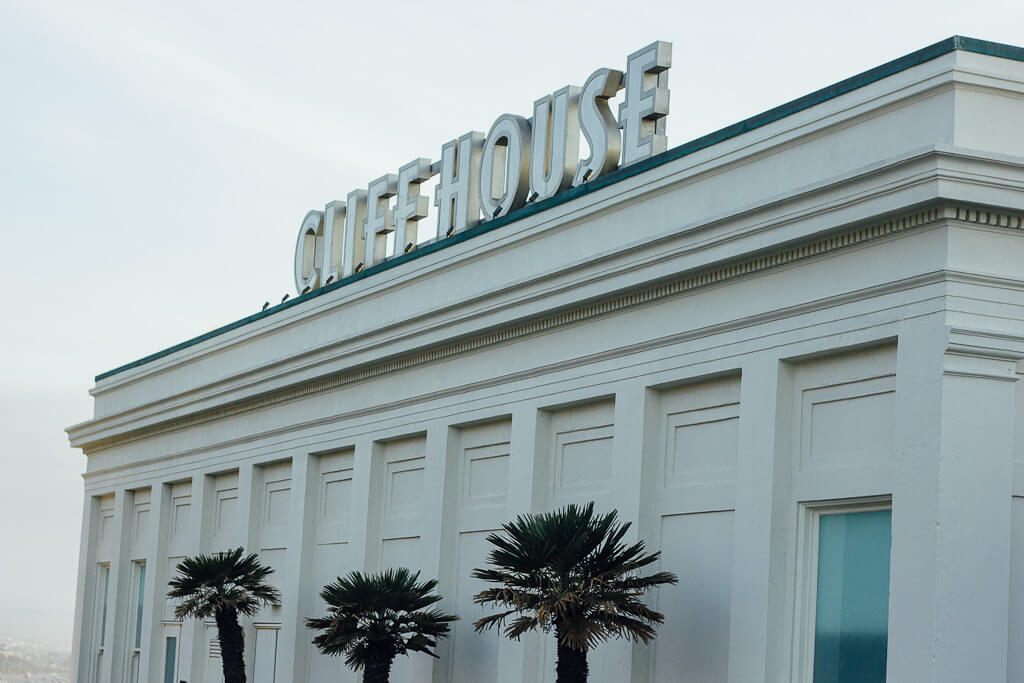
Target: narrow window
105, 592
851, 608
170, 655
141, 590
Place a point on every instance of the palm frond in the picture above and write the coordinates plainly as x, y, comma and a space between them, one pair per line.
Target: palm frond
381, 614
571, 570
207, 584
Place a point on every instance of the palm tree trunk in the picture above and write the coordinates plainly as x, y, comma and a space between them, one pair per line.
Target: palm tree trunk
572, 663
232, 646
377, 669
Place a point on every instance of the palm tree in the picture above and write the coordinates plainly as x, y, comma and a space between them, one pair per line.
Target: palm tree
371, 618
222, 586
570, 571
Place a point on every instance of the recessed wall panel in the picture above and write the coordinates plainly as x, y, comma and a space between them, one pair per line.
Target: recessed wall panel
580, 455
1015, 665
480, 465
693, 643
845, 407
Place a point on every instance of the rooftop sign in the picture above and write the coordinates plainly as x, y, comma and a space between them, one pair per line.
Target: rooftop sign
481, 178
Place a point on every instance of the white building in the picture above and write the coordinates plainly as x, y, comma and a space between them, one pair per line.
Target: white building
788, 341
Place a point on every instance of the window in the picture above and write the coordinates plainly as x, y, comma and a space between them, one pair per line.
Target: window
170, 659
845, 611
140, 590
134, 636
104, 594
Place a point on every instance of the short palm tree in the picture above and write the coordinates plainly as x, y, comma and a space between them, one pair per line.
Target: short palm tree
570, 571
372, 618
222, 586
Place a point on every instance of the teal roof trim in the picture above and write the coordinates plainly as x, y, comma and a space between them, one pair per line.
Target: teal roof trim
817, 97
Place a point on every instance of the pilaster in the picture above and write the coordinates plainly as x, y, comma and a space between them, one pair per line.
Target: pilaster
951, 508
294, 638
156, 581
761, 468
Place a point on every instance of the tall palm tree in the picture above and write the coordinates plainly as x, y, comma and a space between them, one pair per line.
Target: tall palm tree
570, 571
222, 586
372, 618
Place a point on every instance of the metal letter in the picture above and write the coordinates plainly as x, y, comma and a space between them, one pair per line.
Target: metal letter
599, 125
556, 142
411, 206
309, 252
457, 196
334, 238
508, 147
354, 247
378, 223
642, 114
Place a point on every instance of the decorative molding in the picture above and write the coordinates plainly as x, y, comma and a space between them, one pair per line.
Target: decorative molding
688, 282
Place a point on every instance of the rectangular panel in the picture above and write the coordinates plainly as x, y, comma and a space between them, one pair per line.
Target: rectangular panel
265, 664
474, 655
336, 490
334, 497
214, 671
485, 477
403, 492
226, 513
583, 459
181, 516
581, 453
400, 552
847, 425
702, 445
140, 520
105, 533
141, 526
276, 558
1015, 665
328, 563
276, 503
172, 571
693, 643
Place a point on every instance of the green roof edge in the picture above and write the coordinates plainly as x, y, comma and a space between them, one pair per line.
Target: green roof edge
843, 87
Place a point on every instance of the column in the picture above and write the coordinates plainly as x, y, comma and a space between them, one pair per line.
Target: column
192, 658
435, 489
113, 654
762, 494
628, 472
247, 482
153, 597
293, 647
522, 498
362, 536
951, 517
81, 652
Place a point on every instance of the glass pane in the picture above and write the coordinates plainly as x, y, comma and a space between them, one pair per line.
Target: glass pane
852, 621
169, 656
138, 611
105, 571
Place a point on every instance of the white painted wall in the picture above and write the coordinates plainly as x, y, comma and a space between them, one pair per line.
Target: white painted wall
815, 311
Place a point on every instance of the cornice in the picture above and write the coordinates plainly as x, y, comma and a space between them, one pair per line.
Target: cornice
759, 121
685, 283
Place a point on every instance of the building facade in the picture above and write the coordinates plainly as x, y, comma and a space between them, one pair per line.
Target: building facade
788, 353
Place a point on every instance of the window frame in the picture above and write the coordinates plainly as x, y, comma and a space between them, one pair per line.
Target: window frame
808, 528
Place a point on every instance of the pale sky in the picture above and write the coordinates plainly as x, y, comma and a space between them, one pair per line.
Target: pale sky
158, 158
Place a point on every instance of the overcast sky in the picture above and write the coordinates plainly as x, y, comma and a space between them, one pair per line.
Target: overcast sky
157, 159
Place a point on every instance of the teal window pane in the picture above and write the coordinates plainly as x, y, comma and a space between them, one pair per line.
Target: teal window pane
105, 570
852, 617
169, 659
138, 611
